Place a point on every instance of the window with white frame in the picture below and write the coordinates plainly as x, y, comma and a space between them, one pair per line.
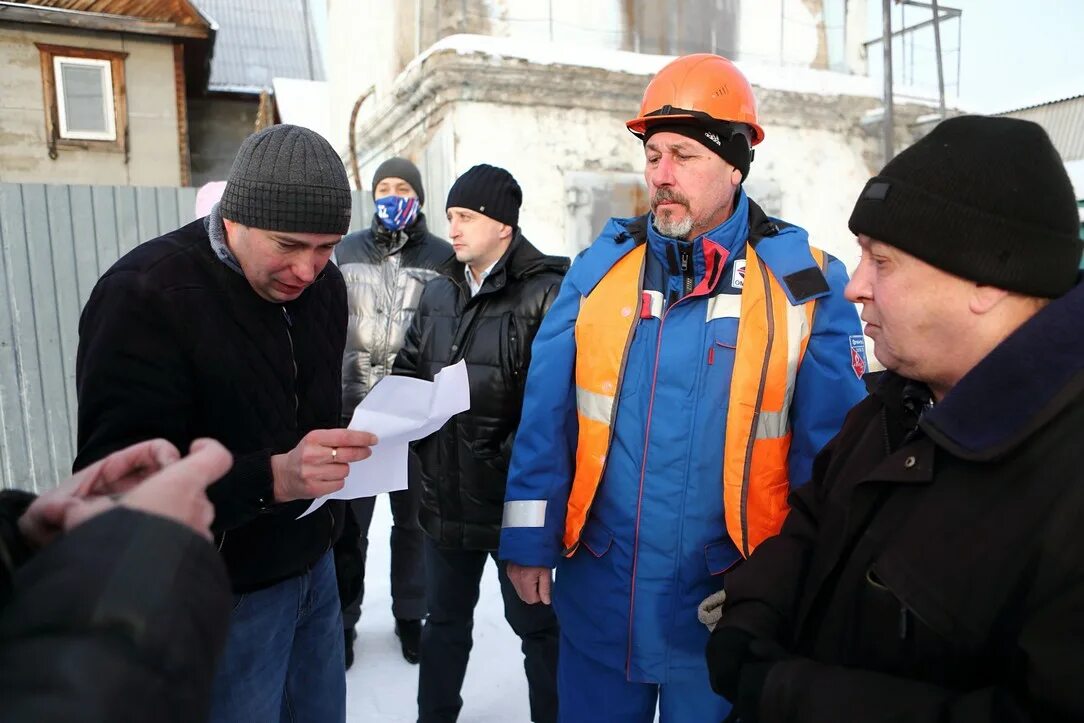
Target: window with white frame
84, 93
84, 96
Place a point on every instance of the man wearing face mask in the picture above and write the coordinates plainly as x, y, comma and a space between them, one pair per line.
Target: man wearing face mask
385, 267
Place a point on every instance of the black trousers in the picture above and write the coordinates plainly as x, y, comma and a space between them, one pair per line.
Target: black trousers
407, 558
452, 584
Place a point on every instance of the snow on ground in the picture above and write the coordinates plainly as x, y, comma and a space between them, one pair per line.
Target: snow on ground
381, 687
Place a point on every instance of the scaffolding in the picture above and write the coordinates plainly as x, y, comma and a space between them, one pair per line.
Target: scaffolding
908, 35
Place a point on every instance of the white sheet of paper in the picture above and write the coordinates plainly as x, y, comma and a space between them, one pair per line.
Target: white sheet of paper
399, 410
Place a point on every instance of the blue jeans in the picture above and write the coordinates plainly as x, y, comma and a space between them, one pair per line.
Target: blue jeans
284, 655
590, 692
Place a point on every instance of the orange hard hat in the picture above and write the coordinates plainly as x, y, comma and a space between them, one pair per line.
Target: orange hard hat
697, 87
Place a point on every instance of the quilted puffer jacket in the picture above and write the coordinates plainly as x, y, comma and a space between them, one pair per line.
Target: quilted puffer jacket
385, 272
464, 465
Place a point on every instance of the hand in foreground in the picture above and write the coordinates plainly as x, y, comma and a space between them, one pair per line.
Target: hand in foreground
114, 475
177, 492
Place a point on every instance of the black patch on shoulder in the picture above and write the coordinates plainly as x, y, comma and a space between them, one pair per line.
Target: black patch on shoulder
636, 230
805, 284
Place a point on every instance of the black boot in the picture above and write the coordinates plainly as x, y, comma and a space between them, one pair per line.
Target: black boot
348, 639
410, 635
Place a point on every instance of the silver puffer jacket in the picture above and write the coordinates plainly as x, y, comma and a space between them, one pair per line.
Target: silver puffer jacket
385, 272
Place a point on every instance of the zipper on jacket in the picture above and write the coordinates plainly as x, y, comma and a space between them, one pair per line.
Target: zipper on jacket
685, 261
293, 357
297, 406
222, 541
513, 347
389, 272
643, 460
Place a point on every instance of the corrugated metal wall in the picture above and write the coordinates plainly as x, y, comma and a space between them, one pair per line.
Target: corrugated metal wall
1063, 120
55, 241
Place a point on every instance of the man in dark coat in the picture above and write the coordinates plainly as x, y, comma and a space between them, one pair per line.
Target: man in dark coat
932, 569
385, 266
486, 313
113, 610
233, 327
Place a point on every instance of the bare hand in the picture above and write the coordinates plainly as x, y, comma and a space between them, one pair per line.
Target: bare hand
318, 465
177, 492
533, 584
113, 475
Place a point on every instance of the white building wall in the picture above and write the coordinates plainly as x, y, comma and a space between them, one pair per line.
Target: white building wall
809, 177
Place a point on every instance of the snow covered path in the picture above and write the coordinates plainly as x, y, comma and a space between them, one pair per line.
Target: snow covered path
381, 687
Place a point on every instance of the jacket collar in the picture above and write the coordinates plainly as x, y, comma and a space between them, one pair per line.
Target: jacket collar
520, 259
730, 235
1017, 388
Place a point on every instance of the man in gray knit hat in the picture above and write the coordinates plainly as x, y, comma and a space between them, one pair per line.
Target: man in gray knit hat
233, 327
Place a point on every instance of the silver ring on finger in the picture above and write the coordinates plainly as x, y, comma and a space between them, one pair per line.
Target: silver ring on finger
334, 453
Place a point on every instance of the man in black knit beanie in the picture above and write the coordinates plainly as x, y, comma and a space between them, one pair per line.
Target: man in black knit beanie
932, 569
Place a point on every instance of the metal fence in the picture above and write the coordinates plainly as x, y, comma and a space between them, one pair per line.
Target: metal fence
55, 241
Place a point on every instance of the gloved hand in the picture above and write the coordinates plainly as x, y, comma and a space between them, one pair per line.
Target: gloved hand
746, 707
710, 610
758, 656
727, 652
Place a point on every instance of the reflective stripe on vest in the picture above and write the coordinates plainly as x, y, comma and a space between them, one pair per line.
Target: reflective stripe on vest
772, 338
603, 335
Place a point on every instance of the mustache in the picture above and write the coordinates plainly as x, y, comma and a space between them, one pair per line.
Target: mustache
666, 195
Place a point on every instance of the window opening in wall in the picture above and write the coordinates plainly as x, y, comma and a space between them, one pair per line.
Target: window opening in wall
84, 94
86, 105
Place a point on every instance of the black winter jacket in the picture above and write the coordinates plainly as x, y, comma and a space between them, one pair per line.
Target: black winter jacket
121, 619
385, 272
173, 343
464, 466
933, 569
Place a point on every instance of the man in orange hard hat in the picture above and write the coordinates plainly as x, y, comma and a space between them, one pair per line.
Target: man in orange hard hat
694, 362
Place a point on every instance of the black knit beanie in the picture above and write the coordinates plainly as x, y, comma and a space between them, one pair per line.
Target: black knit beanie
400, 168
984, 198
288, 178
490, 191
720, 137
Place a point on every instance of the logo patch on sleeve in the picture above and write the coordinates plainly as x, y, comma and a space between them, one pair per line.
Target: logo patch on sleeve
738, 280
858, 355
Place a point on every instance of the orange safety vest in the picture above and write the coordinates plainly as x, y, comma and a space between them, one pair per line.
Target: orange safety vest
772, 339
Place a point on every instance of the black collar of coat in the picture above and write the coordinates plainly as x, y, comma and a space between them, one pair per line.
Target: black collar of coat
395, 240
520, 260
1017, 388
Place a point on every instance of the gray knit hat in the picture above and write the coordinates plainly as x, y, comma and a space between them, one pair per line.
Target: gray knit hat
288, 178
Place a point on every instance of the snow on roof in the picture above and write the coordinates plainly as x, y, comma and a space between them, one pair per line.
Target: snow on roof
773, 77
304, 103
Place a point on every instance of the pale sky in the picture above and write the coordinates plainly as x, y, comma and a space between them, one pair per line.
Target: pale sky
1014, 52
